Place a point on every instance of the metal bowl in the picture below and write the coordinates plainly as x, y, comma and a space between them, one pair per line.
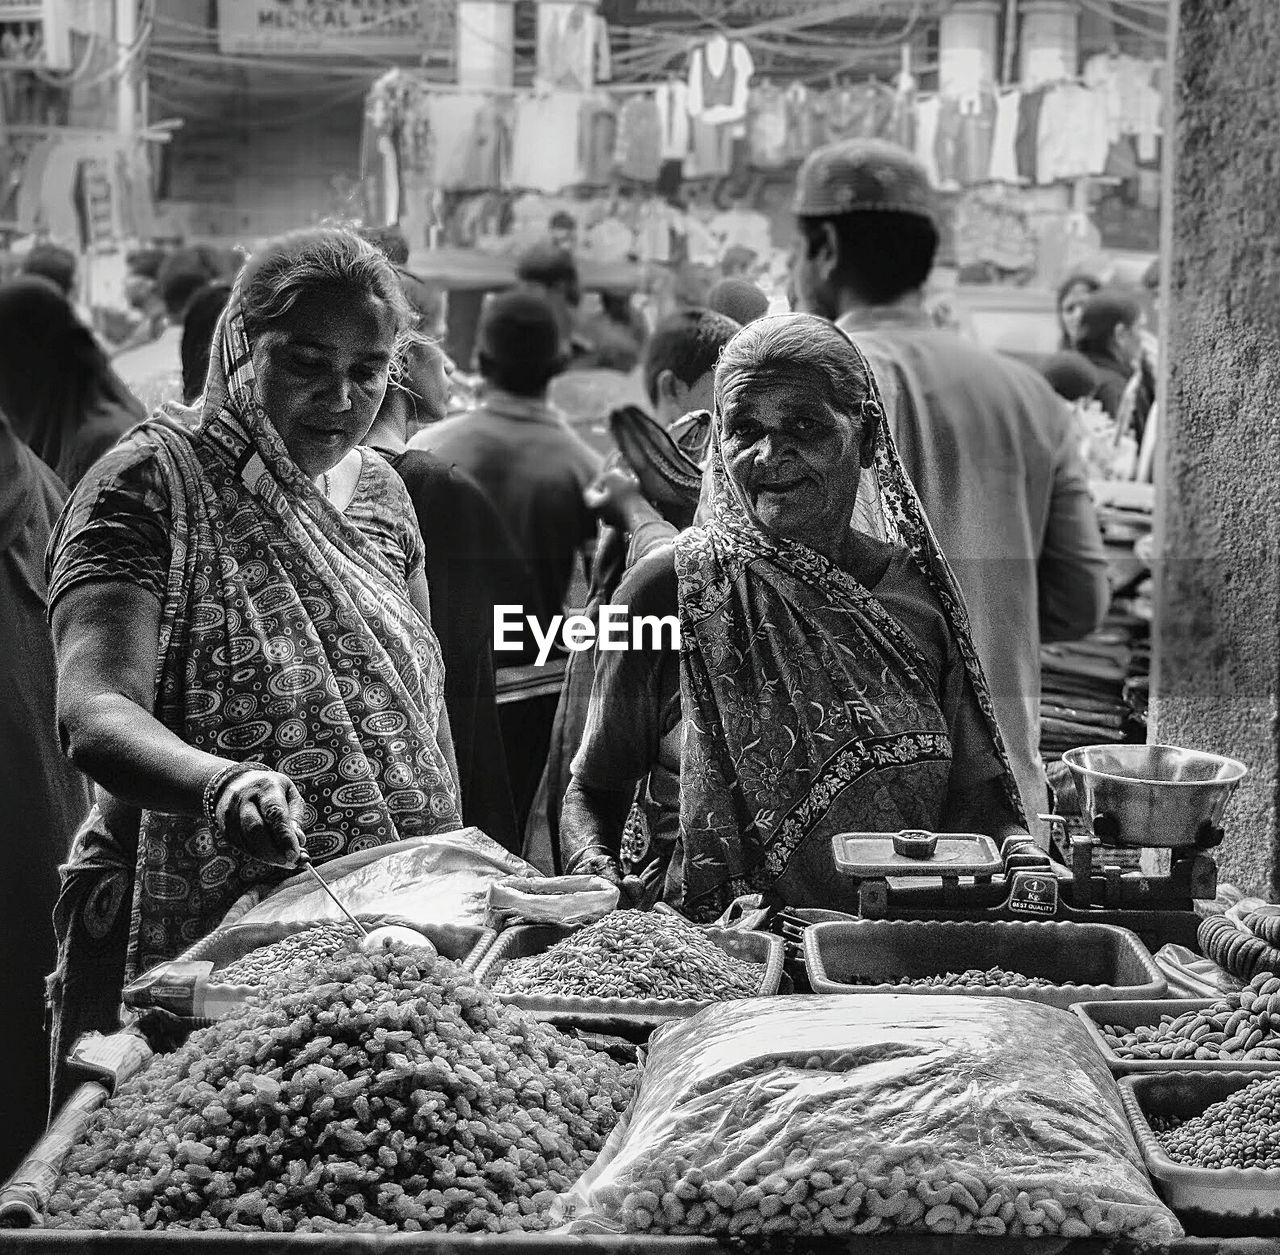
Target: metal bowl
1153, 795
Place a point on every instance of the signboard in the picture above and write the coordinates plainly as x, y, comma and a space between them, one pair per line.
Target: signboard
374, 28
741, 12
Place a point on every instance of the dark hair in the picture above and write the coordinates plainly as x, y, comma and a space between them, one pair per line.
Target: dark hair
881, 256
688, 344
562, 219
787, 347
1078, 279
52, 262
145, 262
546, 264
1151, 276
739, 299
1070, 375
389, 241
197, 336
518, 343
285, 268
1101, 315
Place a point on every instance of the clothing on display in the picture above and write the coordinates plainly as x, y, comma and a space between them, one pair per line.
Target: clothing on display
598, 137
1027, 141
712, 155
573, 47
767, 128
639, 150
720, 72
966, 128
1004, 139
1073, 136
927, 117
452, 117
672, 101
535, 163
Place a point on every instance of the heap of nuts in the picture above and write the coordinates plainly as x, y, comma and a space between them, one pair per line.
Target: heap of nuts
1241, 1131
1240, 1026
634, 954
973, 978
365, 1092
319, 942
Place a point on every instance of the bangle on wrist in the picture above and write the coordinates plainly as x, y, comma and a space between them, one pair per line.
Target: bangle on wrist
216, 784
588, 853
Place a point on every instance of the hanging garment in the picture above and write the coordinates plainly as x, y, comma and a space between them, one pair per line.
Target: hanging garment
977, 131
802, 136
712, 151
568, 45
598, 132
1026, 145
488, 160
31, 185
946, 146
672, 101
545, 147
1004, 153
96, 197
670, 178
653, 231
927, 115
1073, 137
719, 74
901, 127
639, 150
452, 117
767, 128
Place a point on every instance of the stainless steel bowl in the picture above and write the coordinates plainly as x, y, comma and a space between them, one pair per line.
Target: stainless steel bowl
1153, 795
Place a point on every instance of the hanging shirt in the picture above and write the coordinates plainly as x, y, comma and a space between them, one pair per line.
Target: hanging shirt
452, 117
1004, 153
767, 127
718, 83
802, 136
1026, 145
540, 165
1074, 134
639, 150
598, 132
927, 113
672, 101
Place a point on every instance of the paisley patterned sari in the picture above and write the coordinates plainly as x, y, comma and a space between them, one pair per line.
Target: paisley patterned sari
288, 638
807, 708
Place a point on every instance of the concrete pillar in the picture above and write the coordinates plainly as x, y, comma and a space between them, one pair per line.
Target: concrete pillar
1049, 43
968, 39
1217, 642
486, 43
566, 44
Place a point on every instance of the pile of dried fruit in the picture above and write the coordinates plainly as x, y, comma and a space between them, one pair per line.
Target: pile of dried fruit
360, 1092
320, 942
1241, 1026
973, 978
634, 954
1241, 1131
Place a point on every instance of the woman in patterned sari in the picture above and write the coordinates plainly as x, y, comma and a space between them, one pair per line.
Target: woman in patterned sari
826, 681
241, 621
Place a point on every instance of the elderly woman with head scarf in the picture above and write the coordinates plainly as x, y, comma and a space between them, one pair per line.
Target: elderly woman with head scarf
825, 680
241, 620
57, 387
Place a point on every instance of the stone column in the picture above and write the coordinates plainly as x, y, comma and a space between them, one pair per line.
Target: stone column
486, 43
1049, 46
1217, 642
968, 37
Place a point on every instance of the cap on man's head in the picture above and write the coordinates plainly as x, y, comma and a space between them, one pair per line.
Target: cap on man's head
861, 175
739, 299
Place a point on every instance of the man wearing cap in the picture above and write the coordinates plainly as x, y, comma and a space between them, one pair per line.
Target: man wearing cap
986, 443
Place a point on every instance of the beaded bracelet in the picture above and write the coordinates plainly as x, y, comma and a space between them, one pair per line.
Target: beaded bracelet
217, 782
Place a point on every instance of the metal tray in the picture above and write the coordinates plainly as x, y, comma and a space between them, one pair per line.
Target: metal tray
1133, 1014
1230, 1202
870, 855
1085, 961
626, 1016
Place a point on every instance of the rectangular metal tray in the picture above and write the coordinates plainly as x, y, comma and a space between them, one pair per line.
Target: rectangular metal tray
868, 855
1228, 1202
1135, 1013
626, 1016
1084, 961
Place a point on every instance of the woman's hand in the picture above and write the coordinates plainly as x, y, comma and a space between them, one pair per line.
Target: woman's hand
615, 495
258, 812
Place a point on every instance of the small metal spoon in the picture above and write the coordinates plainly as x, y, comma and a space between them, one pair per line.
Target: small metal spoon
304, 860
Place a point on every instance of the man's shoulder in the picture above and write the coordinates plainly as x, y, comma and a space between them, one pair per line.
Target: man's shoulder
649, 586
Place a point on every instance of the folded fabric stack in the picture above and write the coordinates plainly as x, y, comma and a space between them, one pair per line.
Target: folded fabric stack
1083, 687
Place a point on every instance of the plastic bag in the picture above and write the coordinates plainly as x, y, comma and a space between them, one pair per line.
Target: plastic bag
565, 900
807, 1116
1191, 976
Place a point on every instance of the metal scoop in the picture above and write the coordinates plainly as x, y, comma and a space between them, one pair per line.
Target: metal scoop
304, 860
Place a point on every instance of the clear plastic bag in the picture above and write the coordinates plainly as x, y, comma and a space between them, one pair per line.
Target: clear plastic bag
807, 1116
565, 900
